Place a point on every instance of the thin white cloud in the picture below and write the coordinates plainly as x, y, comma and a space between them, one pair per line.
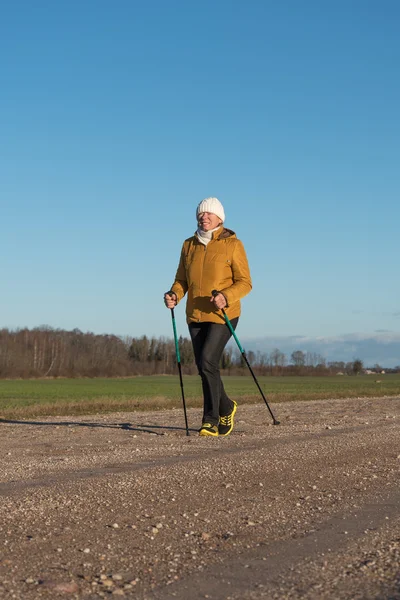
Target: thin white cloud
381, 336
381, 347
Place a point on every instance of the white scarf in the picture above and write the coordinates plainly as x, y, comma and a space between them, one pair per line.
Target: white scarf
205, 236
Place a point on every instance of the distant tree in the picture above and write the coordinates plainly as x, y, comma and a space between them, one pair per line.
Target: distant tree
251, 357
186, 351
298, 358
358, 366
238, 359
313, 359
278, 358
226, 359
261, 358
274, 356
337, 365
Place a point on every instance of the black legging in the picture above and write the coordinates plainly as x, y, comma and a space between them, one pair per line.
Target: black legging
209, 341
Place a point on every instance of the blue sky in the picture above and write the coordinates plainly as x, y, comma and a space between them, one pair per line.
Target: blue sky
117, 118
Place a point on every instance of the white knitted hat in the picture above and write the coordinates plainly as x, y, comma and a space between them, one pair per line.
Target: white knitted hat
212, 205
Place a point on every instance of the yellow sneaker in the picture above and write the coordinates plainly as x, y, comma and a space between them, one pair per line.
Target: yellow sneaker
226, 423
209, 429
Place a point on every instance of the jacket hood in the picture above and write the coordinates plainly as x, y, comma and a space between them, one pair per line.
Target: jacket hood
221, 233
225, 233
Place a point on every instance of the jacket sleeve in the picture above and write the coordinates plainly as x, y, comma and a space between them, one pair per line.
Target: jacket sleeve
241, 276
180, 285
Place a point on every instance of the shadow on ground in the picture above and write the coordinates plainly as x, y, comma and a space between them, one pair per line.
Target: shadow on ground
148, 428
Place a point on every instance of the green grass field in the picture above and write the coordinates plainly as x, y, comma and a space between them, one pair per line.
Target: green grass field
28, 398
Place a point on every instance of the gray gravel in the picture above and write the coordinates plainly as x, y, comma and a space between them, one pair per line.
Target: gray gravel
127, 505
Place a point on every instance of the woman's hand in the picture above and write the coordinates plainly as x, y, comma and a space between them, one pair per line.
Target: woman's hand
219, 300
170, 299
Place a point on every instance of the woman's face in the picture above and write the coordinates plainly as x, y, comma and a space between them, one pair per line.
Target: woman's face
207, 221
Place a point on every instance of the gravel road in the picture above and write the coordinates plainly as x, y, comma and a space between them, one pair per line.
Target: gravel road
126, 505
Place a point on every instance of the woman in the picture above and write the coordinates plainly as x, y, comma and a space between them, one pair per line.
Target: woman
212, 259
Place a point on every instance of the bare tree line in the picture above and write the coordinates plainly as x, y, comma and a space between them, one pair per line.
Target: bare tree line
48, 352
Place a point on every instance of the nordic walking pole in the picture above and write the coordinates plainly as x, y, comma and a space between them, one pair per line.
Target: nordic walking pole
275, 422
178, 360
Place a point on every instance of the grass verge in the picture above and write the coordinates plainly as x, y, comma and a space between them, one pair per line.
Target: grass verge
34, 398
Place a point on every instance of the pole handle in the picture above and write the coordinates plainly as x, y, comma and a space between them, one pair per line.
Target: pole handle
170, 294
178, 355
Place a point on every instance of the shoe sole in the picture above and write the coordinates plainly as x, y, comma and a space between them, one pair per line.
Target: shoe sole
233, 420
205, 433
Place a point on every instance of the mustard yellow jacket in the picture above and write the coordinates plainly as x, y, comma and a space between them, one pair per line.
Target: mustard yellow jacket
221, 265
